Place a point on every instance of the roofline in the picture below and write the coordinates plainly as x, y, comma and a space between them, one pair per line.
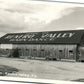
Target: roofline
44, 43
45, 31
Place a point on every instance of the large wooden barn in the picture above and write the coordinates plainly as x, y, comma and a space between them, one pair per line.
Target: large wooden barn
49, 45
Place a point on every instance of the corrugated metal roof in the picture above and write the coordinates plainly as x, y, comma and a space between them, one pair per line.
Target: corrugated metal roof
63, 37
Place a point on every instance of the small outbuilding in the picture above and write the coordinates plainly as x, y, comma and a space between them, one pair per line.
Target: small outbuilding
57, 45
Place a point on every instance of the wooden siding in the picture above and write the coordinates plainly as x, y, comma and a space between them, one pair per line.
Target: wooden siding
49, 51
33, 51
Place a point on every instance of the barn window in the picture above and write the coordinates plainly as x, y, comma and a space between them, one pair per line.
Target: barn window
34, 49
19, 49
27, 49
60, 50
42, 49
7, 49
70, 51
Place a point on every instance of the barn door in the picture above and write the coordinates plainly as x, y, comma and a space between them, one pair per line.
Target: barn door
61, 54
34, 53
42, 53
27, 53
71, 55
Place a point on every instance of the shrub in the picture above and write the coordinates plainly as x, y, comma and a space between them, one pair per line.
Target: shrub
16, 53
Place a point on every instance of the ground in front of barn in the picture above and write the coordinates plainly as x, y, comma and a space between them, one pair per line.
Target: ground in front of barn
44, 69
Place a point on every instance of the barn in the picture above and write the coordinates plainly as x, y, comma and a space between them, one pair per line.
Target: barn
59, 45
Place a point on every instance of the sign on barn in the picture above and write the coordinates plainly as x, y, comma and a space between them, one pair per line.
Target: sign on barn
38, 37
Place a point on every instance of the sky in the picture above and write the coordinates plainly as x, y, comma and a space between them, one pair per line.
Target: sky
17, 16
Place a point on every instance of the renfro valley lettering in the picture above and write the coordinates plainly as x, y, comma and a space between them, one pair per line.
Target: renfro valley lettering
41, 37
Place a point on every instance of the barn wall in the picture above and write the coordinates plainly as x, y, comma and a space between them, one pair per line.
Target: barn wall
34, 51
46, 50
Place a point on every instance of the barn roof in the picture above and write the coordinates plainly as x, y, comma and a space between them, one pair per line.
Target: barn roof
63, 37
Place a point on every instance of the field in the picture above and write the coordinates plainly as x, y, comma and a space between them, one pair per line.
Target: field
43, 69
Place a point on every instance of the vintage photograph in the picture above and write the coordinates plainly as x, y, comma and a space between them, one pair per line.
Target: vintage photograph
42, 40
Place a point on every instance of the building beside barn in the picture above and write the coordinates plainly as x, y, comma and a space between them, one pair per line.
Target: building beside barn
49, 45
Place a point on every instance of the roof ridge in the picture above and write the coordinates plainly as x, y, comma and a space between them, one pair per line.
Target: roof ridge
46, 31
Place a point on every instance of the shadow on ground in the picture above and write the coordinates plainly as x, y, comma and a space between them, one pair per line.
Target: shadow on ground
4, 70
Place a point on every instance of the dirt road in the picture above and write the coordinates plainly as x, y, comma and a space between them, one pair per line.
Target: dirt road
45, 69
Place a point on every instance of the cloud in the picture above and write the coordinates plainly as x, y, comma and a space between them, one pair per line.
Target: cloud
10, 20
25, 8
71, 21
50, 13
25, 16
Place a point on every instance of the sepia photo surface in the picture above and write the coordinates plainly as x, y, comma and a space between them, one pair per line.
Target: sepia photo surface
42, 40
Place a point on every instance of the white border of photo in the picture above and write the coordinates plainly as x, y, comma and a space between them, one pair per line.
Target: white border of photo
17, 80
14, 80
